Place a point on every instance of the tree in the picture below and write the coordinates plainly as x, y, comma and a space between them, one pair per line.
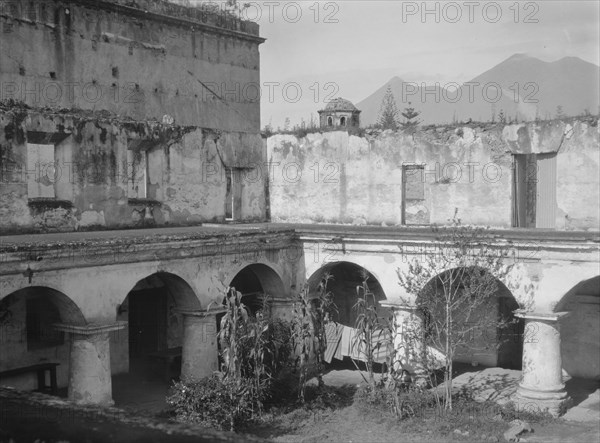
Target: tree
452, 287
388, 112
502, 117
410, 115
559, 112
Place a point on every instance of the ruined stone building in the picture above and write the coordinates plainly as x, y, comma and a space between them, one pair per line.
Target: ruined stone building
339, 113
118, 118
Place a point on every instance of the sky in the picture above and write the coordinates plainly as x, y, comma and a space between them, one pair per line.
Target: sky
318, 50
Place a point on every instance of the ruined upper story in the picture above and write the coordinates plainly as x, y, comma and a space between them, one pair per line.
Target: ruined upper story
143, 59
541, 175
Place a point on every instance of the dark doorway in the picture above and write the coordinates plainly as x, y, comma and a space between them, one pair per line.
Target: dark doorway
147, 321
249, 285
510, 346
345, 278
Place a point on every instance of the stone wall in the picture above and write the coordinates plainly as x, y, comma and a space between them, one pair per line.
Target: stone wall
95, 160
143, 59
335, 177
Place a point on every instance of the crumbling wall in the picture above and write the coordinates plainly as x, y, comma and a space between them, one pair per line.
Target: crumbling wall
93, 166
144, 60
335, 177
338, 178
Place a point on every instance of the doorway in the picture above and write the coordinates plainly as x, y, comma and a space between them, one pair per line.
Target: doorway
534, 191
147, 322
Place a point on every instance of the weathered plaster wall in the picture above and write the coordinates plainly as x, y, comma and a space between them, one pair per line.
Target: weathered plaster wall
338, 178
143, 61
186, 181
577, 146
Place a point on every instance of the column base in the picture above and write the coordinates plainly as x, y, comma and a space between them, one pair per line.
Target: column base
552, 401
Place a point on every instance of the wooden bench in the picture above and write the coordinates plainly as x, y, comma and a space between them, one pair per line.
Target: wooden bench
40, 369
168, 356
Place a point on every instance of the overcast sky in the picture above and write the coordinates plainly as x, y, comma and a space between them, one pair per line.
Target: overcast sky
352, 47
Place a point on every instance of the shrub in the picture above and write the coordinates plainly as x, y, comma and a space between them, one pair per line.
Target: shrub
213, 401
401, 403
254, 350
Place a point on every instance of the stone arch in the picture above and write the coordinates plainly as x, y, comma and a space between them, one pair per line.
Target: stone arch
329, 121
346, 276
491, 348
255, 280
342, 121
580, 330
178, 288
27, 319
68, 310
155, 323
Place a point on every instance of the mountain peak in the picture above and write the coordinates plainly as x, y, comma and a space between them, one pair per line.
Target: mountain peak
519, 57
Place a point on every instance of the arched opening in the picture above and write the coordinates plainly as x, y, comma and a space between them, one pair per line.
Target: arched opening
28, 336
256, 281
343, 121
329, 121
580, 330
345, 277
155, 328
580, 343
489, 333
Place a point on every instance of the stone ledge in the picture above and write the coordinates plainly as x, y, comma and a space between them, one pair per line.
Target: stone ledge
90, 329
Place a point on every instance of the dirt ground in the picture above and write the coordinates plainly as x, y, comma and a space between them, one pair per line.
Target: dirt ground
346, 423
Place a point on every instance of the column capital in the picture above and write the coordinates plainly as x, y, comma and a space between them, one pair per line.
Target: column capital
541, 316
281, 301
202, 313
90, 328
398, 305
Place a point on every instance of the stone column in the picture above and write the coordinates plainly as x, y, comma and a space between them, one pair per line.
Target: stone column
89, 368
200, 354
541, 385
409, 340
282, 308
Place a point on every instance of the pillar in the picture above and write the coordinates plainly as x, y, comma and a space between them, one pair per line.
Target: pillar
281, 308
409, 340
89, 367
541, 387
200, 355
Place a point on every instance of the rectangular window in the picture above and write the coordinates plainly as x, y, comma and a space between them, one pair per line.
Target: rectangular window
229, 178
233, 194
414, 182
137, 174
41, 171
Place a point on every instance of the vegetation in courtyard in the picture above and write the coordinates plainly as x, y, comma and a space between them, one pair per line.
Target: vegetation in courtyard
254, 350
451, 289
308, 326
374, 334
267, 363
